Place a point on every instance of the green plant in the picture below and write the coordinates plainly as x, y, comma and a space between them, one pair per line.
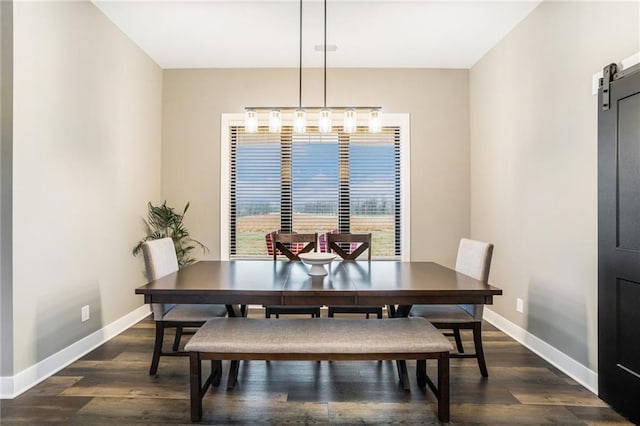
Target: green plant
163, 221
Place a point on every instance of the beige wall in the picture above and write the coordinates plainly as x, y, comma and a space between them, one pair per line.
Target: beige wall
534, 165
437, 101
6, 145
86, 160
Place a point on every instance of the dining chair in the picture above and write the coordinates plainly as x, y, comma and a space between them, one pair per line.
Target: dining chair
160, 260
474, 260
349, 247
291, 245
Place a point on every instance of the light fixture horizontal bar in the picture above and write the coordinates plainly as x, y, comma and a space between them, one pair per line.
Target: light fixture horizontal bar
314, 108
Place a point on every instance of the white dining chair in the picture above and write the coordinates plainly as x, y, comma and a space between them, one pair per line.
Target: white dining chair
474, 260
160, 260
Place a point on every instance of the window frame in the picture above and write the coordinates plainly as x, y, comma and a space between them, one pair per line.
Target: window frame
400, 120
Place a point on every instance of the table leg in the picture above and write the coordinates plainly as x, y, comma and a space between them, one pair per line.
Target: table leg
421, 372
391, 311
235, 311
402, 311
403, 374
233, 374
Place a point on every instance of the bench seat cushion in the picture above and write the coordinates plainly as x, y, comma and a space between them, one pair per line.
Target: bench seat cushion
318, 336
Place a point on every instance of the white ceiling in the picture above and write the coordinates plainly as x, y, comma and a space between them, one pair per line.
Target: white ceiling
265, 33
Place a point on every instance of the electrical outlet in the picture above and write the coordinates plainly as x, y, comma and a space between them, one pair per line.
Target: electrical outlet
85, 314
519, 305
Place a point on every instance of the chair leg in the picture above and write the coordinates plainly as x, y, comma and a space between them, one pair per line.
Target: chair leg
477, 341
379, 313
157, 348
176, 340
330, 314
456, 335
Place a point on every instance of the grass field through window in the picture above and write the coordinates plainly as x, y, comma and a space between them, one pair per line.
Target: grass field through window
251, 230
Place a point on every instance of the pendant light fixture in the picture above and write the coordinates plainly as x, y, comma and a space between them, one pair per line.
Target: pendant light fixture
299, 113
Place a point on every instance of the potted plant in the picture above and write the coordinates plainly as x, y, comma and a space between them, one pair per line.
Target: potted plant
163, 221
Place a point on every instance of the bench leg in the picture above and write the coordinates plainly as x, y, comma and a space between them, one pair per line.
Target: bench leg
443, 387
195, 382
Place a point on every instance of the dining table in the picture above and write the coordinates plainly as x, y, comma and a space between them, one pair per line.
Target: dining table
398, 285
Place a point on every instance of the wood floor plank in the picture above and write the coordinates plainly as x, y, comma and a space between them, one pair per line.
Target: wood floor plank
266, 412
54, 385
126, 411
567, 395
38, 409
512, 414
350, 413
597, 415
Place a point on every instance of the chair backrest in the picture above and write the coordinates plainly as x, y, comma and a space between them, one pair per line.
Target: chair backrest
474, 260
359, 243
298, 243
268, 239
322, 241
159, 260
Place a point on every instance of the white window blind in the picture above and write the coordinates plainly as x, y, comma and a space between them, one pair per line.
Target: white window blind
314, 164
314, 182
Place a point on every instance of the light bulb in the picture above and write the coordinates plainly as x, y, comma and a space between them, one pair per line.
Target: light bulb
299, 121
251, 121
349, 125
324, 121
275, 121
375, 124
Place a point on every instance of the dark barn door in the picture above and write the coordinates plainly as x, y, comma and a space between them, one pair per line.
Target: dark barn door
619, 241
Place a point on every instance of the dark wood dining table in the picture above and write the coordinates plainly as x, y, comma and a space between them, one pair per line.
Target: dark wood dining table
395, 284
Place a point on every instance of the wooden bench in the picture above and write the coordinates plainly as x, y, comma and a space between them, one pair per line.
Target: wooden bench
317, 340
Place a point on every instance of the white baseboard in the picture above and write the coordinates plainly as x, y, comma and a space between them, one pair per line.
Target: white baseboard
11, 387
572, 368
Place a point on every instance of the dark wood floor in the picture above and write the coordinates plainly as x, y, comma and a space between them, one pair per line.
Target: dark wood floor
111, 385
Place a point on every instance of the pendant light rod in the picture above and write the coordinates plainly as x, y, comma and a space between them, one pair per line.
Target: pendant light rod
325, 53
300, 66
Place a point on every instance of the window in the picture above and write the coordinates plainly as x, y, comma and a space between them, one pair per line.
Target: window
314, 182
